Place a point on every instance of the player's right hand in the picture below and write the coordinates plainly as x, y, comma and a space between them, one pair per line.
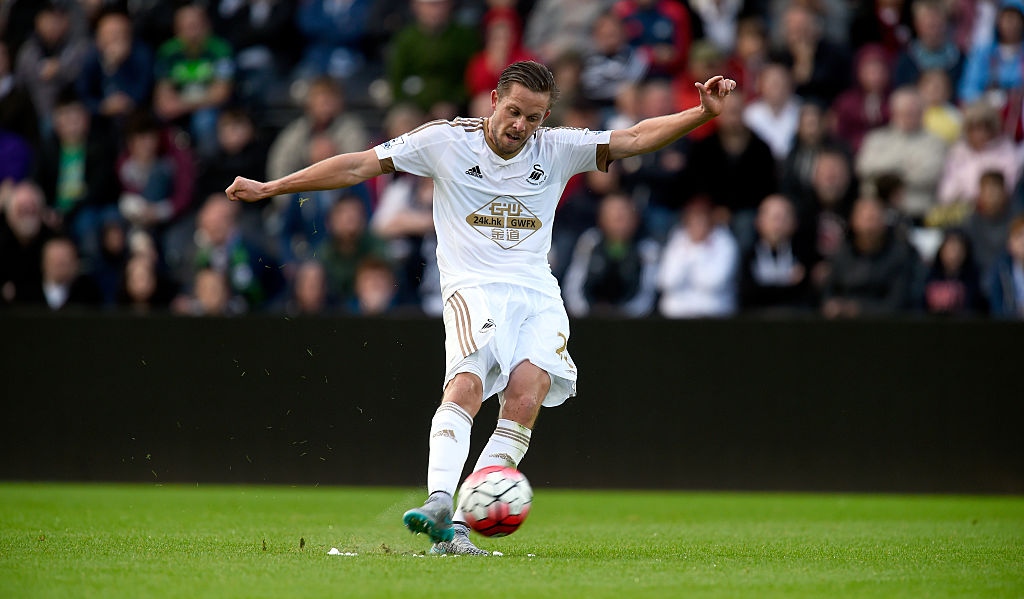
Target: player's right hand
245, 190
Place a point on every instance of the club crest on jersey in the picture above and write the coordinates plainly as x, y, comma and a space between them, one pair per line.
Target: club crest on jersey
505, 221
537, 175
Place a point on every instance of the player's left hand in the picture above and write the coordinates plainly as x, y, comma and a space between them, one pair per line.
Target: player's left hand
713, 93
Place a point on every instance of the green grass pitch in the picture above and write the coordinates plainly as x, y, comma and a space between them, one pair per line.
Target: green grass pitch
199, 541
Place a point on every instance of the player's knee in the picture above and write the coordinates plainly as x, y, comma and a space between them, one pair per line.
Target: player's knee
524, 400
466, 390
526, 396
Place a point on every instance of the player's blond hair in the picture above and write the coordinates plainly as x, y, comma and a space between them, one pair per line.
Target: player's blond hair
531, 75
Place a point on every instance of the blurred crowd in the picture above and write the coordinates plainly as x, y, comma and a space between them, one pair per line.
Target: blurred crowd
868, 164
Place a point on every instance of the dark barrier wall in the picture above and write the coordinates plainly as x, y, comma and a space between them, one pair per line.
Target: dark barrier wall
872, 406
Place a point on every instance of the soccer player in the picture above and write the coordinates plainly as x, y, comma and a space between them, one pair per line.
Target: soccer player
497, 181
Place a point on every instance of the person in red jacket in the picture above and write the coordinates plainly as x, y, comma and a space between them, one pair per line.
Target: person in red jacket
503, 45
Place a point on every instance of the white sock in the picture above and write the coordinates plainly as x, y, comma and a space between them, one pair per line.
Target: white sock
506, 447
449, 447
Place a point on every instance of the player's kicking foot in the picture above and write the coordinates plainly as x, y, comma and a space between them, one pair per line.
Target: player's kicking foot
459, 545
434, 518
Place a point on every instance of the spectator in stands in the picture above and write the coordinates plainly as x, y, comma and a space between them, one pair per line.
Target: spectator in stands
194, 74
613, 272
375, 288
812, 137
751, 52
117, 76
1006, 282
219, 246
941, 118
983, 148
820, 69
556, 27
305, 217
151, 182
866, 105
775, 271
612, 62
17, 18
143, 288
348, 244
19, 123
626, 112
324, 114
873, 272
63, 284
823, 215
775, 115
22, 236
578, 212
238, 153
334, 31
211, 296
735, 154
502, 46
890, 188
932, 47
107, 268
309, 290
660, 29
263, 36
953, 285
567, 70
51, 58
996, 69
432, 80
697, 276
706, 60
719, 20
652, 179
988, 225
905, 148
75, 169
404, 219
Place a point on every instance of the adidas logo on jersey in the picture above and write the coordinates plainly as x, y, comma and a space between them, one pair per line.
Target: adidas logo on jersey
475, 172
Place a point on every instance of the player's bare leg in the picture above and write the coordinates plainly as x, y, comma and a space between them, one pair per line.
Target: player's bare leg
449, 448
527, 387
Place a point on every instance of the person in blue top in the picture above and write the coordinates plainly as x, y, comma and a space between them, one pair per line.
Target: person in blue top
997, 69
117, 76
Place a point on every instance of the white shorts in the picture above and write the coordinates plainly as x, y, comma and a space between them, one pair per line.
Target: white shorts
490, 329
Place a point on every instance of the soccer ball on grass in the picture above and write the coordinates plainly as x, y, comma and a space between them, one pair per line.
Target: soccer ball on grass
495, 500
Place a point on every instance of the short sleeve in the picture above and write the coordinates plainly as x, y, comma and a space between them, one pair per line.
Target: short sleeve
416, 152
582, 149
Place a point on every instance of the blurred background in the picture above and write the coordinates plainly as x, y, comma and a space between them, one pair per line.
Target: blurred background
844, 242
869, 163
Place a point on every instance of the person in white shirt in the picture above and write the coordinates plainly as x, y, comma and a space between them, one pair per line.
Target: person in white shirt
497, 182
697, 277
774, 116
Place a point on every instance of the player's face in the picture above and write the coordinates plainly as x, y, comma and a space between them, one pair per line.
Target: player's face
516, 116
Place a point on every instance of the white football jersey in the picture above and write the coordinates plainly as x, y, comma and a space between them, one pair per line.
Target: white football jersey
493, 216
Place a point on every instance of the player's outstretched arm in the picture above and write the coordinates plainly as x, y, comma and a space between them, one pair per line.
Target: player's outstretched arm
342, 170
655, 133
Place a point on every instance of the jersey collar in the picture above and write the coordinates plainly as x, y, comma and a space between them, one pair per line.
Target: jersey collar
497, 160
